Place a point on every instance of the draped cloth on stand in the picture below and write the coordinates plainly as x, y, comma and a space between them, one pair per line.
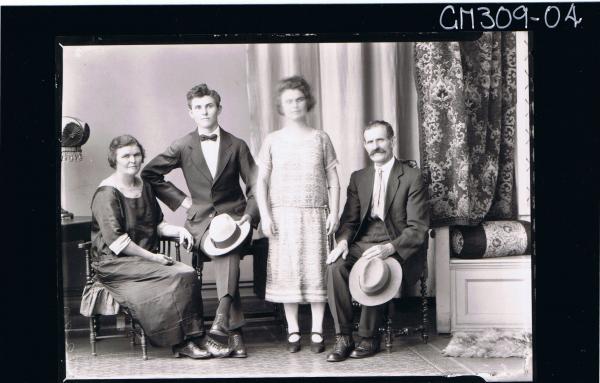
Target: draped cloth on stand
467, 102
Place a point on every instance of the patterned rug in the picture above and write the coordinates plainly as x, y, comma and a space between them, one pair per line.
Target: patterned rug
493, 343
117, 359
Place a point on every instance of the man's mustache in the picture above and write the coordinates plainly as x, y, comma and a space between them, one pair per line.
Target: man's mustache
377, 151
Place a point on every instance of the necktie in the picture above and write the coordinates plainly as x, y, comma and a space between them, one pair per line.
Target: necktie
379, 198
212, 137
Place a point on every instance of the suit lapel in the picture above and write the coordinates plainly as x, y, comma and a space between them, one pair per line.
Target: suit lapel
365, 191
198, 157
392, 186
224, 153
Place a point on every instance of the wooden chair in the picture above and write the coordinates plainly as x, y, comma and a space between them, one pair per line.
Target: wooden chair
258, 249
136, 330
388, 330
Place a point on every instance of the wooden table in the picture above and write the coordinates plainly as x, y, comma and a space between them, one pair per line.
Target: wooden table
74, 231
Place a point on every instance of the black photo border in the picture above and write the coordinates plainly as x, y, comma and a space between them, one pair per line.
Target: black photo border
565, 204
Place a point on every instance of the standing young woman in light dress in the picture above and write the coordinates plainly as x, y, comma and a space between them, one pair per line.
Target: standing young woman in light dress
298, 197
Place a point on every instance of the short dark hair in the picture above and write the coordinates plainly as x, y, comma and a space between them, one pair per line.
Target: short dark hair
202, 90
295, 82
121, 142
387, 125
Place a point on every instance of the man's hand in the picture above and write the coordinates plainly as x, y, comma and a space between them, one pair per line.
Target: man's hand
340, 249
381, 251
187, 203
245, 218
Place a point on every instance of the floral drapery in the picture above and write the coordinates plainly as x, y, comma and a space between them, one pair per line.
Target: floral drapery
466, 104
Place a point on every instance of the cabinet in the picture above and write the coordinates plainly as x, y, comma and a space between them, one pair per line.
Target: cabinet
492, 292
74, 231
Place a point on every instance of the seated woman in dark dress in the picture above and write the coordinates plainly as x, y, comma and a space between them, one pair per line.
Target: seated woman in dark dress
162, 295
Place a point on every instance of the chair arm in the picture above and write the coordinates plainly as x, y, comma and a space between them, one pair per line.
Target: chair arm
85, 245
165, 246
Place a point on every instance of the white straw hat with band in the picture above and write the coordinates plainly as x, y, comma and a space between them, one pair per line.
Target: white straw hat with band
375, 281
224, 235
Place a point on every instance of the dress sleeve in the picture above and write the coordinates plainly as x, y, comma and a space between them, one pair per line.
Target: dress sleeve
329, 156
108, 213
264, 158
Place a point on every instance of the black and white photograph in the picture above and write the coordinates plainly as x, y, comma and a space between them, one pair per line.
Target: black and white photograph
331, 192
334, 208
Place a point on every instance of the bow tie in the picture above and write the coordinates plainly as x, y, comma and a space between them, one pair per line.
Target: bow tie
212, 137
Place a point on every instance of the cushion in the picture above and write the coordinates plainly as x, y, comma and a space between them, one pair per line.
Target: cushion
491, 239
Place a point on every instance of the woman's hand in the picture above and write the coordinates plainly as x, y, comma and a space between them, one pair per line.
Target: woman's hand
162, 259
186, 239
332, 224
268, 226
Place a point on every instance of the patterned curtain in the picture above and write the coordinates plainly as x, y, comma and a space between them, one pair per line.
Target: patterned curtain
466, 104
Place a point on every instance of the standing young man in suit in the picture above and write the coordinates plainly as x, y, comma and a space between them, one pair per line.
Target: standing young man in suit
212, 161
386, 215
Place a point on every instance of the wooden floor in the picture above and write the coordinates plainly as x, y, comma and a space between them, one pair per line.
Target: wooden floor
268, 358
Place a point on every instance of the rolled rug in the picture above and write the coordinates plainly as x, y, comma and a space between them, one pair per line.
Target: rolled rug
491, 239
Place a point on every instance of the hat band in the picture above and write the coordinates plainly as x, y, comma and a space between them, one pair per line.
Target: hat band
374, 290
229, 241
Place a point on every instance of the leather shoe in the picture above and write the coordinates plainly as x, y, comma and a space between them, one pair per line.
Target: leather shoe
317, 347
191, 351
344, 344
215, 348
366, 347
293, 346
236, 344
218, 326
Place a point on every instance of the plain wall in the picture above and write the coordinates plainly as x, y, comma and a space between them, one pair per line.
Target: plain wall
140, 90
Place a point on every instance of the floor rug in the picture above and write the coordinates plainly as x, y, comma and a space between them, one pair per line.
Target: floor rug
492, 343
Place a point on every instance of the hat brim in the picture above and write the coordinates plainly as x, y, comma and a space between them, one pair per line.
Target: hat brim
209, 248
388, 292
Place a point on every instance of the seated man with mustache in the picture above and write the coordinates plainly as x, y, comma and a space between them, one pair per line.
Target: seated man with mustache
386, 215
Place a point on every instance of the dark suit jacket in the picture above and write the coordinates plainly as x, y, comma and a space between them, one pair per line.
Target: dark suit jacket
406, 214
210, 197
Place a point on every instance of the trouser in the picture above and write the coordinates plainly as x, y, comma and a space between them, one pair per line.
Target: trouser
227, 275
338, 290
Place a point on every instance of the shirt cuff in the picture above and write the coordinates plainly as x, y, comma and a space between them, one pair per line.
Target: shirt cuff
120, 243
161, 227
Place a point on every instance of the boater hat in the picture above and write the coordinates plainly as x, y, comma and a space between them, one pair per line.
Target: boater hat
224, 235
375, 281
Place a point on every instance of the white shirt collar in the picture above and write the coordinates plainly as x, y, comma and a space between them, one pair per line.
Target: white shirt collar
387, 167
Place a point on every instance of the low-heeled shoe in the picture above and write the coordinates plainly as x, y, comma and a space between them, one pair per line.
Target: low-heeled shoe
219, 325
293, 346
344, 344
367, 347
191, 351
317, 347
236, 344
216, 349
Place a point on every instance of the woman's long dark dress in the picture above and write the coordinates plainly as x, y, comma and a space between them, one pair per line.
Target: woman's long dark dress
165, 300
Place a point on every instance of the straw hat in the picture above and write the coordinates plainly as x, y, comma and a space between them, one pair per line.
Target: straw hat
375, 281
224, 235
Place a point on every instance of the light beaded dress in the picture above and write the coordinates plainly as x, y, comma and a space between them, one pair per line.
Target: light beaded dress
298, 198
